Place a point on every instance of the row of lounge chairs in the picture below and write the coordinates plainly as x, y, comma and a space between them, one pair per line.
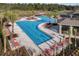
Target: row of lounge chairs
54, 48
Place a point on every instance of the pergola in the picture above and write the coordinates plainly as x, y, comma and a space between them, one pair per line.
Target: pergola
69, 22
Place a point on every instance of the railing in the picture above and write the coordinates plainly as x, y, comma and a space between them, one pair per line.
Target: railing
73, 36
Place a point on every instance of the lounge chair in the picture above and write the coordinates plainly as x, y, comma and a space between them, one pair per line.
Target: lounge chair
55, 48
15, 35
15, 43
31, 51
67, 40
48, 51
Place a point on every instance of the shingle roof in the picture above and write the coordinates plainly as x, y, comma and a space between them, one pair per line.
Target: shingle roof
70, 22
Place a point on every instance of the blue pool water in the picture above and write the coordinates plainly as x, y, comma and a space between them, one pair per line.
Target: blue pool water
31, 29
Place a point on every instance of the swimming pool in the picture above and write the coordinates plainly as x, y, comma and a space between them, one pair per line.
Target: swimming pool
31, 29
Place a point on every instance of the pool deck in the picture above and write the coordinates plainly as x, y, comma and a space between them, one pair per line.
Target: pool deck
24, 40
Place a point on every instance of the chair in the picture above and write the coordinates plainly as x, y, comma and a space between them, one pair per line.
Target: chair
48, 51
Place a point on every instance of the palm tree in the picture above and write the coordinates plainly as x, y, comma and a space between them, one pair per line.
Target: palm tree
3, 32
0, 24
11, 17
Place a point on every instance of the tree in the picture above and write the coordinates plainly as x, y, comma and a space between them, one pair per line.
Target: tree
11, 16
2, 25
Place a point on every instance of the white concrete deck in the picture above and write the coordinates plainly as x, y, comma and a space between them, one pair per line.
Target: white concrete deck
53, 34
24, 40
56, 37
25, 18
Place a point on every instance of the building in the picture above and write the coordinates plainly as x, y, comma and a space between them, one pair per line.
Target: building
69, 26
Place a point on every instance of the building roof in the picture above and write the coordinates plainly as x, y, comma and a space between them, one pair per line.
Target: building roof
70, 22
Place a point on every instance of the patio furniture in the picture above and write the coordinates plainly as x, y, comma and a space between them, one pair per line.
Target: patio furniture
14, 42
48, 51
31, 51
15, 35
